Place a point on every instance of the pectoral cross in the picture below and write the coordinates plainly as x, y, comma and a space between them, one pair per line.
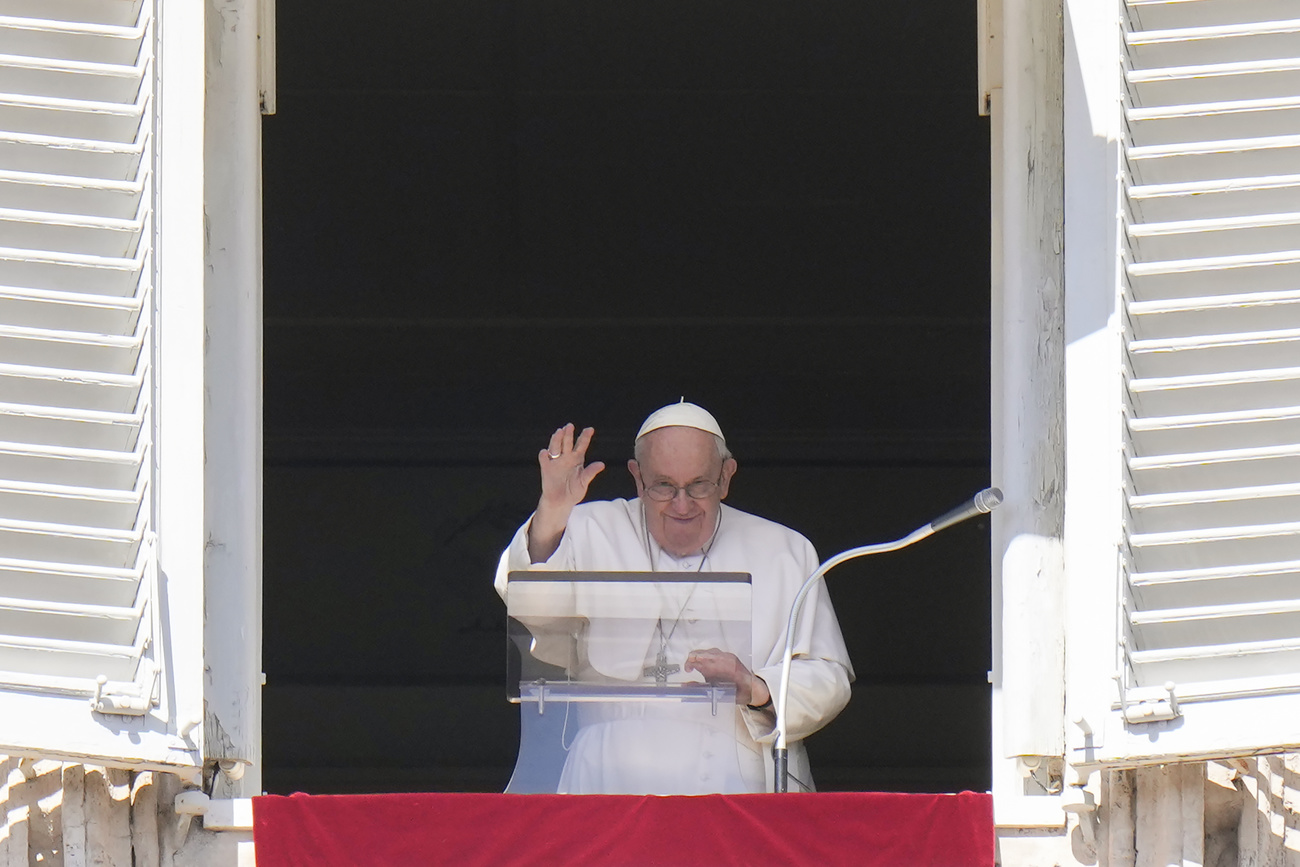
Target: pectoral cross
661, 669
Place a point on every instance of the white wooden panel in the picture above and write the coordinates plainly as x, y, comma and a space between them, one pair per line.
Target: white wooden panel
82, 607
1209, 292
73, 434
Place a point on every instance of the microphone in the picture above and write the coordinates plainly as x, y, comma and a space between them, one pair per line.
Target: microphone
985, 501
982, 503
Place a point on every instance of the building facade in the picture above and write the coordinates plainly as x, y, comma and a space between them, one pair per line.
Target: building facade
1145, 259
1145, 410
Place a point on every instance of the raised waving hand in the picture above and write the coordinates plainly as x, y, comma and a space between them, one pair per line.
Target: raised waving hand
566, 475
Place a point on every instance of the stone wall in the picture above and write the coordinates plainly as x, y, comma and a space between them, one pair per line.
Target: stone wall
67, 815
1230, 813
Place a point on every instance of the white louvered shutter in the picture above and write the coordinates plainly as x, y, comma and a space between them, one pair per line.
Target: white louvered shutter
1209, 304
88, 620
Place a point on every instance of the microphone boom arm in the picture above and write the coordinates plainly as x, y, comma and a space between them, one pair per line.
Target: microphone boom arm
985, 501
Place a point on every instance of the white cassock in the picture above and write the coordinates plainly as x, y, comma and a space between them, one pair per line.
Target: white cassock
642, 748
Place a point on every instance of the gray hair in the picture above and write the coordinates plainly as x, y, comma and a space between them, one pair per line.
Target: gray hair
724, 453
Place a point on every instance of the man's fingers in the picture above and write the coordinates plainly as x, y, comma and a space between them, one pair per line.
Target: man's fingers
562, 441
584, 440
715, 661
590, 471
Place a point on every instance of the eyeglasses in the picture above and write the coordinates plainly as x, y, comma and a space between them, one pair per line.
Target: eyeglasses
663, 492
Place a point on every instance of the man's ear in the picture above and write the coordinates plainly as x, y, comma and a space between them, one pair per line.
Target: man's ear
635, 470
729, 467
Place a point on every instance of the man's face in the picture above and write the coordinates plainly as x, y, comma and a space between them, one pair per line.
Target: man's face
679, 456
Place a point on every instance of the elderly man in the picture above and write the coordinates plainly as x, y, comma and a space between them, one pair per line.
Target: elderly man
678, 523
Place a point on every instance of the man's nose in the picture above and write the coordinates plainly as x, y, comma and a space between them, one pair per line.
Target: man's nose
681, 502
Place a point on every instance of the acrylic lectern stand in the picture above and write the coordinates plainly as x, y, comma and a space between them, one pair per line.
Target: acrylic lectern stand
596, 665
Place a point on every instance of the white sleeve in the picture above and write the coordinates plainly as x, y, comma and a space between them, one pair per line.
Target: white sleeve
515, 558
820, 671
819, 690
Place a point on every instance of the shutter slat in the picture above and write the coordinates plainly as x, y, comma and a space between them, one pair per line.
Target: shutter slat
53, 40
91, 584
90, 235
1180, 498
1215, 263
1206, 612
1214, 197
78, 428
70, 195
1197, 535
1219, 224
54, 386
101, 121
1193, 459
45, 308
1228, 652
1203, 432
1209, 71
1216, 302
89, 545
1158, 361
92, 351
71, 659
68, 79
1213, 588
1251, 570
48, 503
97, 624
1217, 31
72, 467
1171, 435
70, 155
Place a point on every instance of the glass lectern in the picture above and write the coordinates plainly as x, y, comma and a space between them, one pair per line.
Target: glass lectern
597, 665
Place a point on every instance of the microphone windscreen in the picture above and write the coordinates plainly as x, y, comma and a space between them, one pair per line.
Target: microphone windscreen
988, 499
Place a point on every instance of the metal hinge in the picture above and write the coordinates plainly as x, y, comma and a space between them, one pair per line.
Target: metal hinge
1148, 704
133, 699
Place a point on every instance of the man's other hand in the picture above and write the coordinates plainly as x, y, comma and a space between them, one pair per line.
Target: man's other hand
719, 666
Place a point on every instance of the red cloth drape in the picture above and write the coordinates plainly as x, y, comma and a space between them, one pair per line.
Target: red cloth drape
865, 829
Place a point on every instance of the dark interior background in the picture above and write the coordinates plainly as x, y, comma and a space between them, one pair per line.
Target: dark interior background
484, 219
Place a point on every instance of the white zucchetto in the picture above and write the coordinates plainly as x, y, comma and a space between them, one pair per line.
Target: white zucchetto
682, 414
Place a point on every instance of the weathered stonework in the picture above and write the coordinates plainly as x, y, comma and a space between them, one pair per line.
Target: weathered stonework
65, 815
1231, 813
